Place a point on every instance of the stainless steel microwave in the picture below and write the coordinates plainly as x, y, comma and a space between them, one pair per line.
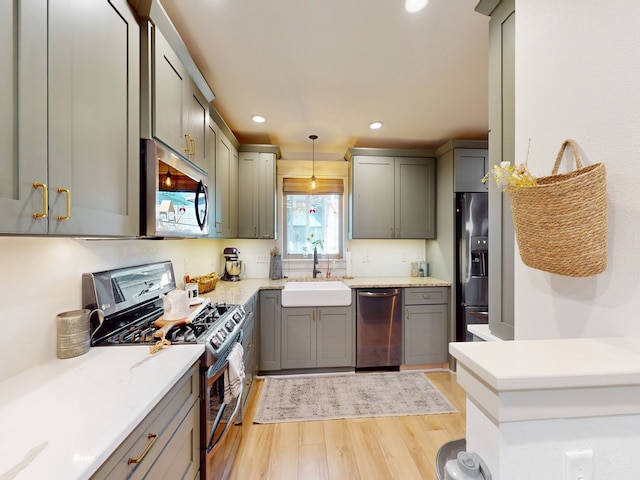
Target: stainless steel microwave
174, 194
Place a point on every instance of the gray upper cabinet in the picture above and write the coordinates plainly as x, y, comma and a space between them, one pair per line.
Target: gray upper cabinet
180, 110
257, 202
224, 219
392, 197
69, 134
469, 167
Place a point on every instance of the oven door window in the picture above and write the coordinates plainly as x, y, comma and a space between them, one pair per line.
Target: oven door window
181, 202
220, 416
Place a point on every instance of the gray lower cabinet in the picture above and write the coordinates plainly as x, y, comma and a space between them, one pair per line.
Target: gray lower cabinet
165, 445
69, 126
269, 330
257, 201
392, 197
426, 320
249, 343
315, 337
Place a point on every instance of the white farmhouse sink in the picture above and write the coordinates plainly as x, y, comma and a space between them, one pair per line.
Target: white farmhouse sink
316, 294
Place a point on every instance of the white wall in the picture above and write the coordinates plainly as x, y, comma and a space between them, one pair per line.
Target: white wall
578, 76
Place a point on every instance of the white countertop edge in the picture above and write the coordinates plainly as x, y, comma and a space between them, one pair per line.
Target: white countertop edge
543, 379
64, 418
481, 330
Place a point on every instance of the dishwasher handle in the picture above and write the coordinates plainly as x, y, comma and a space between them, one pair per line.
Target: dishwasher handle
379, 294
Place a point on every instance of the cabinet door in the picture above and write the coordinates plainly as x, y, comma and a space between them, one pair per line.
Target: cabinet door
415, 198
335, 337
224, 209
269, 330
249, 201
266, 196
299, 337
425, 334
23, 116
372, 213
93, 109
197, 115
469, 166
170, 81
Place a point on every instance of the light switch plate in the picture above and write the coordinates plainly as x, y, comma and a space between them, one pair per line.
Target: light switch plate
578, 465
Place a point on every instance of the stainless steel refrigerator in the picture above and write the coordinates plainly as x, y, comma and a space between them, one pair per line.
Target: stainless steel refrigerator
472, 264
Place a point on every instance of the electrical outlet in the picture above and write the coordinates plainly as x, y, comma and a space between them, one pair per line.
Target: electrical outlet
578, 465
365, 258
262, 259
404, 257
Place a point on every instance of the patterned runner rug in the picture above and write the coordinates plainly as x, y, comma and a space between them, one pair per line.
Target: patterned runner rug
325, 397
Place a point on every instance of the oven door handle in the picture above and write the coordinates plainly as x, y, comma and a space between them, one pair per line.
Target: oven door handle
213, 442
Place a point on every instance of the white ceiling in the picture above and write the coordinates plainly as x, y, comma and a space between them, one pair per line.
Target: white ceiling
330, 67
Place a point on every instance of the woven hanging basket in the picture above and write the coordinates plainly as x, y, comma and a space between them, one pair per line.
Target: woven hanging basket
561, 223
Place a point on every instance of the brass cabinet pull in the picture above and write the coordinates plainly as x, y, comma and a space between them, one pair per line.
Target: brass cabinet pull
313, 315
68, 215
255, 231
187, 141
43, 186
193, 144
277, 298
398, 232
221, 227
408, 315
426, 296
391, 235
319, 315
153, 437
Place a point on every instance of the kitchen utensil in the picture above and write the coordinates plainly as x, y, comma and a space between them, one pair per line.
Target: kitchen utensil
175, 305
192, 290
73, 332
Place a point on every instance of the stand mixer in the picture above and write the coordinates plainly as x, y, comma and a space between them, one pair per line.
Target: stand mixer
232, 266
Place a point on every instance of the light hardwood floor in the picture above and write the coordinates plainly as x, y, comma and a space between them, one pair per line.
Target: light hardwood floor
364, 448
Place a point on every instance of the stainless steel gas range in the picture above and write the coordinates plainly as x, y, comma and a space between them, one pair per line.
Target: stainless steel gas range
131, 301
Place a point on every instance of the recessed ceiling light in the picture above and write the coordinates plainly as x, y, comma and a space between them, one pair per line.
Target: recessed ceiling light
375, 125
258, 119
413, 6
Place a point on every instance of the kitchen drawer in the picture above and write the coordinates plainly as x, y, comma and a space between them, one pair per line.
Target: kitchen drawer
162, 421
426, 295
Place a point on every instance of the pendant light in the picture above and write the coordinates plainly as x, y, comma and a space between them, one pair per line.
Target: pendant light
167, 177
313, 159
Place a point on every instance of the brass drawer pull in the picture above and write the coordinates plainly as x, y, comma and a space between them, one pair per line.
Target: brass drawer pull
43, 186
153, 437
68, 215
426, 296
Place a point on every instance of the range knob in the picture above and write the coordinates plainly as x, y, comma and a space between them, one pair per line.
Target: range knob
216, 341
229, 325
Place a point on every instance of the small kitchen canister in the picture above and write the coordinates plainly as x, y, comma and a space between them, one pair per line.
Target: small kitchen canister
74, 332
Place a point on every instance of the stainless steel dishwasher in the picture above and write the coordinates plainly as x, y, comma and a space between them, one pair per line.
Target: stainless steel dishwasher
378, 327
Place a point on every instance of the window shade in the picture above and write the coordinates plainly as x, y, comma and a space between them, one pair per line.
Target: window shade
302, 186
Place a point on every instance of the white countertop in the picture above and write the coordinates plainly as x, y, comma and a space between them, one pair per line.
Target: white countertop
240, 292
559, 378
62, 419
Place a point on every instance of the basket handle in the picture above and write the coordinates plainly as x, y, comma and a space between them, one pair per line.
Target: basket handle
574, 147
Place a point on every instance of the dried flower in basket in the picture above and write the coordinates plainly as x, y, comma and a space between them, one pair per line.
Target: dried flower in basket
509, 176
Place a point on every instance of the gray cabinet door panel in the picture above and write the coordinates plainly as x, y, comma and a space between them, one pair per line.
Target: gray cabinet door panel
299, 337
426, 334
373, 200
267, 196
93, 118
170, 77
197, 122
23, 116
335, 339
248, 202
470, 166
415, 198
269, 330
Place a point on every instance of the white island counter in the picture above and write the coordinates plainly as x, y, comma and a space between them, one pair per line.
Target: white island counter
531, 402
63, 418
